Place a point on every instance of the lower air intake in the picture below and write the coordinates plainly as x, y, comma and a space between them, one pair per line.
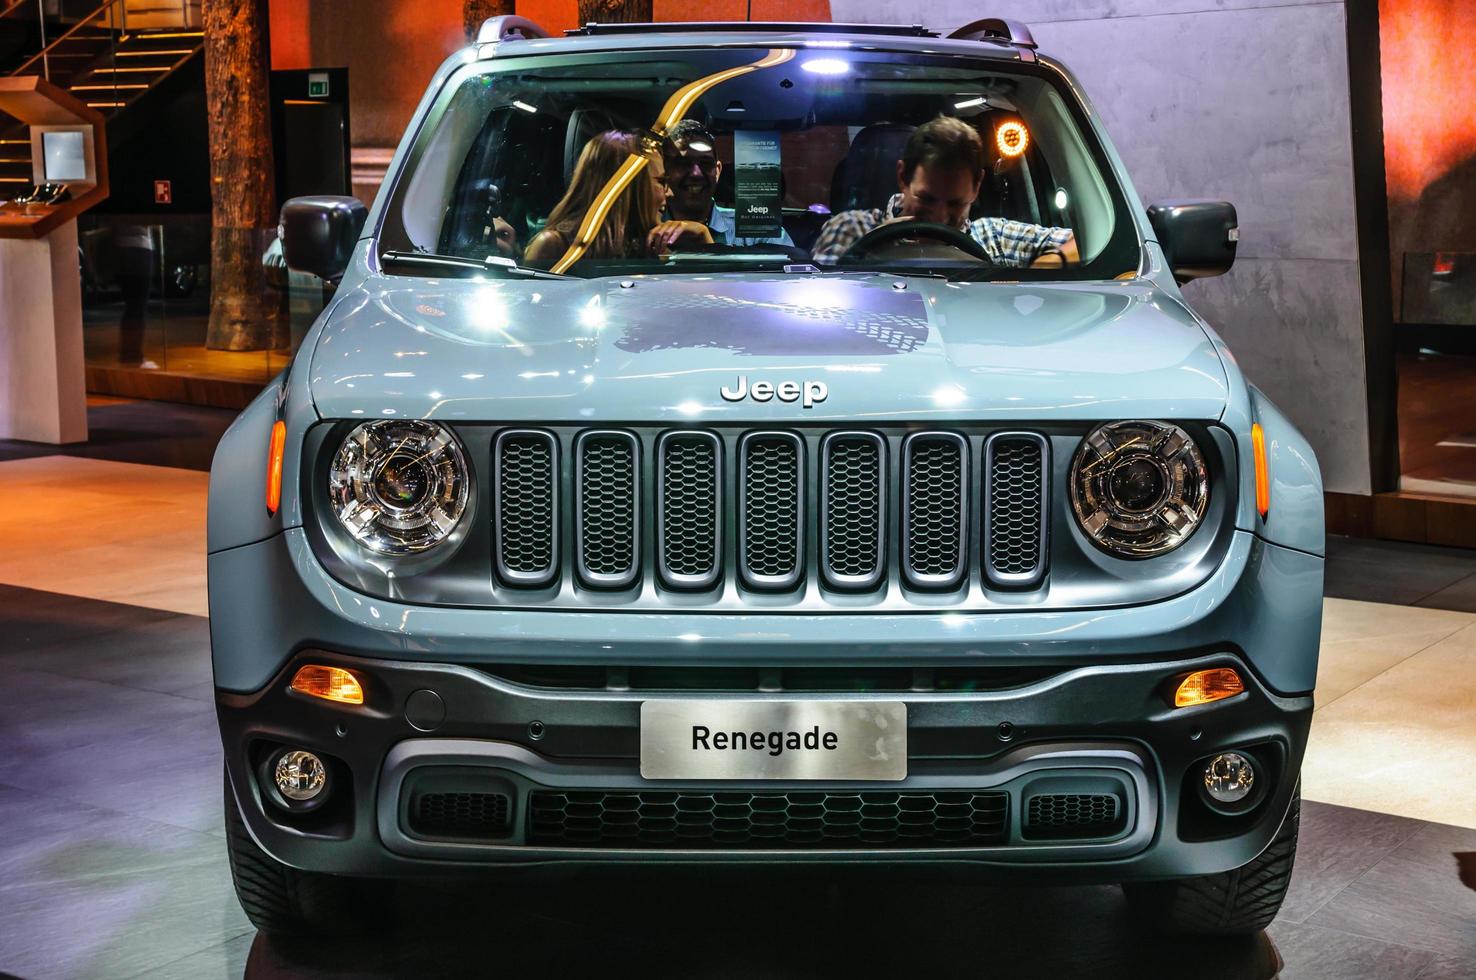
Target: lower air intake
1072, 815
793, 820
462, 816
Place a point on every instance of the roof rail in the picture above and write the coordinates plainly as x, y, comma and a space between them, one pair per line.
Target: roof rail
997, 29
769, 27
508, 28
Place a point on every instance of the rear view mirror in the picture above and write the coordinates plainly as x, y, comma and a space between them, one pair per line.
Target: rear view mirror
1198, 237
319, 233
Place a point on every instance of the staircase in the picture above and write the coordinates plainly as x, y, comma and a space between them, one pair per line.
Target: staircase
109, 58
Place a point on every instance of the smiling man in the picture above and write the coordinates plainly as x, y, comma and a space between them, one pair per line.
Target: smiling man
938, 179
692, 172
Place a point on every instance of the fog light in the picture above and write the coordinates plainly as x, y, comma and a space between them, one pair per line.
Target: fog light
1229, 777
300, 776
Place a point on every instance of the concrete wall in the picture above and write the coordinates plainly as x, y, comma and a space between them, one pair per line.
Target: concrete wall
1246, 101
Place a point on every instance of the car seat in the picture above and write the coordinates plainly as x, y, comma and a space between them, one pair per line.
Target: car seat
866, 177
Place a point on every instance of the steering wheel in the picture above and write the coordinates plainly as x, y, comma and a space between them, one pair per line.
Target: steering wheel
882, 236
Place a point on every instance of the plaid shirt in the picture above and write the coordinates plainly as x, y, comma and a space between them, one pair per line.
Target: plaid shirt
1011, 244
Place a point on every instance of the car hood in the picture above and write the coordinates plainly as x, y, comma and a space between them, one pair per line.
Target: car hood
661, 349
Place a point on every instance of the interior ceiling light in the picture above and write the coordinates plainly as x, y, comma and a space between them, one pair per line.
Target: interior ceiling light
969, 103
826, 66
1012, 138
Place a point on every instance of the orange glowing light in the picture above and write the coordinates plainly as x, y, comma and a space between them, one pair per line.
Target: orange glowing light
1205, 686
1263, 471
274, 466
1012, 138
328, 683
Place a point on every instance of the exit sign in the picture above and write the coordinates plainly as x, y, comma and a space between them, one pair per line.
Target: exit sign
318, 85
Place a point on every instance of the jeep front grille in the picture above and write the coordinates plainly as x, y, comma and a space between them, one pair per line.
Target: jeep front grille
935, 509
607, 528
689, 509
527, 507
792, 820
771, 485
728, 517
854, 490
1014, 494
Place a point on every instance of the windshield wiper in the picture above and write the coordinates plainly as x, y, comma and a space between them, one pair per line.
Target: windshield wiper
433, 264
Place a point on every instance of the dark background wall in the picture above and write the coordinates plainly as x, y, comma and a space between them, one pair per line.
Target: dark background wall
1428, 50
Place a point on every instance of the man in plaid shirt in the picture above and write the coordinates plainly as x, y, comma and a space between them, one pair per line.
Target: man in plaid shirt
939, 176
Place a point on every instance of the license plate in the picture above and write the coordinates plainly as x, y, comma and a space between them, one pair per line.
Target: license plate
774, 739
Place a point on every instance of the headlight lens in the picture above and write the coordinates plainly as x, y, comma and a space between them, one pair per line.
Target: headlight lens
399, 486
1139, 489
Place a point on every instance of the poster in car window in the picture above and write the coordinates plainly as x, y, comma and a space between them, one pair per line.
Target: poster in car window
756, 184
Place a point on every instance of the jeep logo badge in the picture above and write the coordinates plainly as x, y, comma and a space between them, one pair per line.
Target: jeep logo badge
807, 393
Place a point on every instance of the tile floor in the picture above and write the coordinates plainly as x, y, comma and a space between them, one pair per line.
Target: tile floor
112, 860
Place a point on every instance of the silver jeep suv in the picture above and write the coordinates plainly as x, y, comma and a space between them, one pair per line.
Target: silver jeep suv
763, 443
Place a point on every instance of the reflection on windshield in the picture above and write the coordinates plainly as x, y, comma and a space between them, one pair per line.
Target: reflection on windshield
724, 159
680, 103
812, 315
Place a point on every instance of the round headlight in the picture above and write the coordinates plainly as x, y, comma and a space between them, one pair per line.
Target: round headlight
1139, 489
399, 486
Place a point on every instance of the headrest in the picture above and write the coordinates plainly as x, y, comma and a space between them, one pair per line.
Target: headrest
867, 176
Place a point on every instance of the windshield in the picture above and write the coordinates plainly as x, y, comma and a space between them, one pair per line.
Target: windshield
719, 160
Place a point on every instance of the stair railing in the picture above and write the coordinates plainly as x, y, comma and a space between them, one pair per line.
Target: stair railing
43, 56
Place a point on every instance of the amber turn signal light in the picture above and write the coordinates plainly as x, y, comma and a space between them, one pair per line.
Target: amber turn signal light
328, 683
1204, 686
1012, 138
274, 466
1263, 475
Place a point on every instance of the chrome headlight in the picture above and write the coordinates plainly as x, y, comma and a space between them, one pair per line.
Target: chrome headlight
1139, 489
399, 486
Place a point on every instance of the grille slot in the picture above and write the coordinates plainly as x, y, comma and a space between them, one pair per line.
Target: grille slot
1074, 815
935, 509
527, 507
1015, 489
689, 508
607, 532
771, 523
475, 816
780, 820
853, 523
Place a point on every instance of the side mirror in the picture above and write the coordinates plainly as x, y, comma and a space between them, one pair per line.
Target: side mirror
319, 233
1198, 237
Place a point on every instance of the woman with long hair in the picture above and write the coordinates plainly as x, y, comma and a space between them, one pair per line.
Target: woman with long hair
633, 226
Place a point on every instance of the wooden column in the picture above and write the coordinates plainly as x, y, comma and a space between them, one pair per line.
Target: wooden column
615, 11
473, 12
243, 208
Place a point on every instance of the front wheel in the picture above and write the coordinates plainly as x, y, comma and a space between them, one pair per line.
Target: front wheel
280, 899
1241, 901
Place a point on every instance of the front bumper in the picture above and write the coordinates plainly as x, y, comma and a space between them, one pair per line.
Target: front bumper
1102, 724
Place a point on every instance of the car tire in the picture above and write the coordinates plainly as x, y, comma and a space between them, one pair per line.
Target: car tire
281, 899
1241, 901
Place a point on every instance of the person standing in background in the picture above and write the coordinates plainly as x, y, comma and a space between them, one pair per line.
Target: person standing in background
133, 262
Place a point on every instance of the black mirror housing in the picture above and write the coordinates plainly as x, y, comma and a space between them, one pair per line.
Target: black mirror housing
1198, 237
319, 233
